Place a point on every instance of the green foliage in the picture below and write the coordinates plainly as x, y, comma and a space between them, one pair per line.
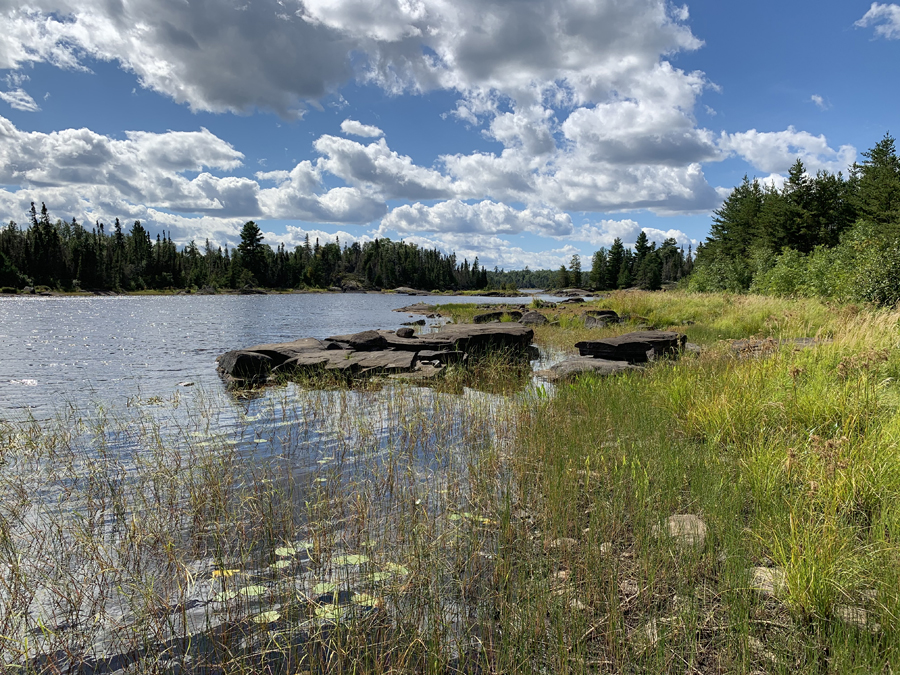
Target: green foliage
838, 238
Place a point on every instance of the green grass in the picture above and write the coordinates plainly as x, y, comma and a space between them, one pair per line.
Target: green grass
484, 525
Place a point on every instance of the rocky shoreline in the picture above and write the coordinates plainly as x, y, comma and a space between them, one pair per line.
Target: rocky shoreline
421, 357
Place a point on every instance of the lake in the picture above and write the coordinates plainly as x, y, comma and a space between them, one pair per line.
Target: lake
106, 350
126, 479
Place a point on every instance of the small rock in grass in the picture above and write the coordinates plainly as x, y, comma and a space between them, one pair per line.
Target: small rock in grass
768, 581
646, 636
759, 649
685, 528
564, 543
858, 617
629, 587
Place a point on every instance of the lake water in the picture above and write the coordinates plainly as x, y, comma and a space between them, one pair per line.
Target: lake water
58, 351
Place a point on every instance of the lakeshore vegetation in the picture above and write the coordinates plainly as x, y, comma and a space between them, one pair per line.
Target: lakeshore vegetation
409, 530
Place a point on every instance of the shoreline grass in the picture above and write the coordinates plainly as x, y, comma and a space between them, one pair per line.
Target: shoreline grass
404, 529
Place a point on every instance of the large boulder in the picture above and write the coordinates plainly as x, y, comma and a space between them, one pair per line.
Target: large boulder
533, 318
636, 347
366, 341
245, 364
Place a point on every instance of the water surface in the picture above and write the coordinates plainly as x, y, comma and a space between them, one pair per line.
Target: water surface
56, 351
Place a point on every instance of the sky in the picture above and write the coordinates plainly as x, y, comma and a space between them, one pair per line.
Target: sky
520, 131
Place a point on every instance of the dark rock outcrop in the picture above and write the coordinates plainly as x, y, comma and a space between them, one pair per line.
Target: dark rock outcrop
595, 322
372, 352
497, 316
533, 318
636, 347
405, 332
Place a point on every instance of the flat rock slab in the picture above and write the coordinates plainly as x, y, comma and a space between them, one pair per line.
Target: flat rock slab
418, 308
571, 368
595, 322
636, 347
372, 352
457, 337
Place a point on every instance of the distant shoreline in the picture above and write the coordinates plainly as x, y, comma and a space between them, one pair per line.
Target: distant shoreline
263, 291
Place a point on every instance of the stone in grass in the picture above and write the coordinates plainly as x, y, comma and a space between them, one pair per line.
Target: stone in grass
646, 636
758, 648
855, 616
564, 543
767, 581
686, 529
577, 365
533, 318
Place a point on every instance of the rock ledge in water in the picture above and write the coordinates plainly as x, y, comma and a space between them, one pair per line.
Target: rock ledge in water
371, 352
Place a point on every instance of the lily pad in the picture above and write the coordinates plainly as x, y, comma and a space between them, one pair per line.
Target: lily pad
378, 577
394, 568
330, 612
224, 574
252, 591
266, 617
324, 587
364, 599
280, 564
350, 560
285, 551
225, 596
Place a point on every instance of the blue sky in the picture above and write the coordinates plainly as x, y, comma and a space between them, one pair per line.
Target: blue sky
520, 131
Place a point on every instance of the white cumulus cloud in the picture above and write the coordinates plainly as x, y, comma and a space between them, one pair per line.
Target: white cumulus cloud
776, 151
485, 217
885, 18
355, 128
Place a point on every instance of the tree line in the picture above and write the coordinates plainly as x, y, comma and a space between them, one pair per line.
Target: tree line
827, 235
645, 266
67, 256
